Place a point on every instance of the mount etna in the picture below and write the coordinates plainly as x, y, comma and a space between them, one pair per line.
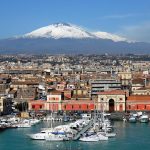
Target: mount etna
63, 38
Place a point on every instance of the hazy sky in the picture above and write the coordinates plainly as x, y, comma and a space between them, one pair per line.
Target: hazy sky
130, 18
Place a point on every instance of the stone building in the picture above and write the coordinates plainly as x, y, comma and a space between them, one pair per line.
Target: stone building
111, 101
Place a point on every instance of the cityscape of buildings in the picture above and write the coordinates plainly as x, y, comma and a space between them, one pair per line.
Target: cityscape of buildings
113, 83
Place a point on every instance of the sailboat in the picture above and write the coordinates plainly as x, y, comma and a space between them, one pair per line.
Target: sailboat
54, 136
107, 128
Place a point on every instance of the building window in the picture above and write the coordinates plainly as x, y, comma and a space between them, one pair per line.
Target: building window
87, 107
102, 99
120, 99
120, 107
129, 107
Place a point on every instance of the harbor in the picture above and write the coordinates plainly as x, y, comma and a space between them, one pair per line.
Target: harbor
18, 138
74, 75
89, 132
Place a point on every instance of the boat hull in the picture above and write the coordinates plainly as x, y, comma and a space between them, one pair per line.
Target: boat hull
132, 120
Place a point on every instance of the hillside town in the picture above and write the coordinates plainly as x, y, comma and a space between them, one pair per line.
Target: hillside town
84, 83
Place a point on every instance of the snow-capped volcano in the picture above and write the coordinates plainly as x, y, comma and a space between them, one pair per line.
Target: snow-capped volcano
62, 38
64, 30
106, 35
60, 30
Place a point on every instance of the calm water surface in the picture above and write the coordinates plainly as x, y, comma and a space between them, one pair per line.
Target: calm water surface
130, 136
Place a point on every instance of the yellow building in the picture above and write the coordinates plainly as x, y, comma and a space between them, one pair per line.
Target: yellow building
125, 78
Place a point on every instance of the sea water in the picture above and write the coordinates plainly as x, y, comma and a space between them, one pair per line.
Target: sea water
130, 136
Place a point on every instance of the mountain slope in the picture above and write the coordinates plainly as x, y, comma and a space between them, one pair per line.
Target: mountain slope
60, 30
106, 35
64, 30
70, 39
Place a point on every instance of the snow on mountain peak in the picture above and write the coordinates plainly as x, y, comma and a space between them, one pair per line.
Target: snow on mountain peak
60, 30
65, 30
106, 35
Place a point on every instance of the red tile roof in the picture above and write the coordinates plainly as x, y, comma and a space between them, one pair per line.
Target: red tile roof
138, 98
138, 81
78, 101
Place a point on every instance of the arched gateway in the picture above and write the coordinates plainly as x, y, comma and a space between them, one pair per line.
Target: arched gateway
112, 101
111, 105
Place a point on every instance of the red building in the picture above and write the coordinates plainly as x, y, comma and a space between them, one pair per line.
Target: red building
54, 103
36, 105
138, 103
74, 105
65, 105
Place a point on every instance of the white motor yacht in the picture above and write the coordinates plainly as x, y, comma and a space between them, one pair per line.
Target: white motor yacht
144, 119
91, 138
34, 121
132, 119
109, 135
23, 125
41, 135
102, 137
55, 137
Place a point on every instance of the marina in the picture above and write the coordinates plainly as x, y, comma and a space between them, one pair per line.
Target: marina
96, 128
97, 132
125, 138
74, 75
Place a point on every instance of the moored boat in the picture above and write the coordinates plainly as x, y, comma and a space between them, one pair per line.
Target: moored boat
91, 138
102, 137
55, 137
132, 119
41, 135
144, 119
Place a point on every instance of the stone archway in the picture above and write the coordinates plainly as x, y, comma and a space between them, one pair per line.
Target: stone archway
111, 105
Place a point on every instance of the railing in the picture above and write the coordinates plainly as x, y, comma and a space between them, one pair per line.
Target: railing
78, 135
